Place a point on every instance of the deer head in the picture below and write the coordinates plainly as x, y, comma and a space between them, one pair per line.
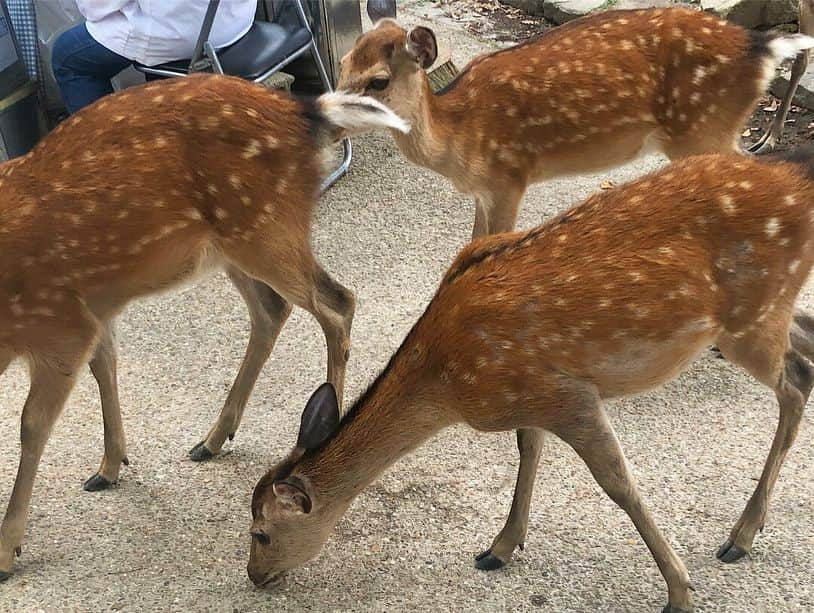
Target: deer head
290, 522
388, 63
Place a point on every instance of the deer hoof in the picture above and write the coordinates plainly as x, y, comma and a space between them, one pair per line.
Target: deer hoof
97, 483
4, 575
730, 552
671, 609
486, 561
200, 453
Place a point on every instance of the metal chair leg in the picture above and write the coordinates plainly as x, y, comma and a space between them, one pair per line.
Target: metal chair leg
347, 148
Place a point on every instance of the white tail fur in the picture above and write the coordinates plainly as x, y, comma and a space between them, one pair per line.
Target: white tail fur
356, 113
785, 47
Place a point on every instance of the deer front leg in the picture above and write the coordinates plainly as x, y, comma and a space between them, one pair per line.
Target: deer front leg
513, 534
497, 211
792, 393
268, 312
103, 367
50, 387
592, 437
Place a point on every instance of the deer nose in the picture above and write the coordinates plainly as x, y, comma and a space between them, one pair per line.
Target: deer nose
257, 577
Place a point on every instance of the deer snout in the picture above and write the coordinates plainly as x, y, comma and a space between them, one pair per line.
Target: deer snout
261, 577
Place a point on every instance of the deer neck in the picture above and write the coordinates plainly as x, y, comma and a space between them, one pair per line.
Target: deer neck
428, 142
397, 414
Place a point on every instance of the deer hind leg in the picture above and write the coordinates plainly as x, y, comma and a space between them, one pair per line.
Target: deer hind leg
769, 139
299, 279
785, 370
801, 334
592, 437
268, 312
52, 378
103, 367
513, 534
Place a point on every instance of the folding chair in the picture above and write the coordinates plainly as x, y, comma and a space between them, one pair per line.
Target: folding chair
264, 50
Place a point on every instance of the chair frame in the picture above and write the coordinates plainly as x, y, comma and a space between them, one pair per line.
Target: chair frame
205, 58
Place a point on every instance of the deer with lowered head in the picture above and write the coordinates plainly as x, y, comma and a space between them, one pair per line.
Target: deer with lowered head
532, 331
589, 95
184, 177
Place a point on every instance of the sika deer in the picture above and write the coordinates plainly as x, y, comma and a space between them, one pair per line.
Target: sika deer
591, 94
182, 177
532, 331
769, 139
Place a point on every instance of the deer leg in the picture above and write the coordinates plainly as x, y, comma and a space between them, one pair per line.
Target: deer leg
305, 284
801, 334
333, 306
268, 312
481, 227
769, 139
593, 438
513, 534
103, 367
792, 390
51, 382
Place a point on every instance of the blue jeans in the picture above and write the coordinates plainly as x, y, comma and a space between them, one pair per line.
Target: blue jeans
83, 67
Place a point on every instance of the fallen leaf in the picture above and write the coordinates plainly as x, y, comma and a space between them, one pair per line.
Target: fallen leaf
772, 107
607, 184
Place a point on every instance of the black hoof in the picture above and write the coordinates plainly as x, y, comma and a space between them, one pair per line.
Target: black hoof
231, 436
4, 575
125, 461
671, 609
729, 552
486, 561
97, 483
717, 353
200, 453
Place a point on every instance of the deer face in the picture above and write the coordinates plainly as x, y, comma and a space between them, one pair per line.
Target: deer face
386, 63
290, 522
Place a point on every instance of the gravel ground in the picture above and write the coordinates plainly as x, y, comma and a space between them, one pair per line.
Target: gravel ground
173, 535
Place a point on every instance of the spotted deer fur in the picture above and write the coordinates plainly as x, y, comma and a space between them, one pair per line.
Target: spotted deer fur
143, 190
588, 95
534, 330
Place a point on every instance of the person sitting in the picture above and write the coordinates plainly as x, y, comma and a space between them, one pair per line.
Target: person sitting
117, 33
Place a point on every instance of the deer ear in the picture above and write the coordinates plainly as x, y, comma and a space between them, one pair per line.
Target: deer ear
381, 9
291, 495
422, 46
320, 418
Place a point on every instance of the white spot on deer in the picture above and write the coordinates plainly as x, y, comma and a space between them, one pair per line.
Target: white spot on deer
727, 204
635, 276
627, 45
160, 141
746, 185
212, 188
192, 213
722, 59
790, 200
252, 149
772, 227
695, 98
246, 200
793, 266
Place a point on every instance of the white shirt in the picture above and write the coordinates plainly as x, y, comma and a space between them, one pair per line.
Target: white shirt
155, 31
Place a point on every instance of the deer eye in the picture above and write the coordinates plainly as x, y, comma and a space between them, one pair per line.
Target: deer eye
261, 537
378, 84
